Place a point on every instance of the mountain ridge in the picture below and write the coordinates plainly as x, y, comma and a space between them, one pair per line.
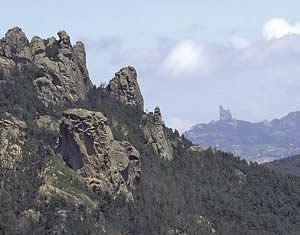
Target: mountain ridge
259, 141
289, 165
99, 164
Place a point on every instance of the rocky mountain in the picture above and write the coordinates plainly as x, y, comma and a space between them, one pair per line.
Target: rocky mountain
262, 142
77, 159
289, 165
58, 68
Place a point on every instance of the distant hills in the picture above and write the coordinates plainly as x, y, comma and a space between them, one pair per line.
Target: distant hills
290, 165
262, 141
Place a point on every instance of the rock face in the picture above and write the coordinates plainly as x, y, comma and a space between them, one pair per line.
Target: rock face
262, 142
47, 122
88, 146
58, 68
124, 86
153, 128
12, 137
198, 148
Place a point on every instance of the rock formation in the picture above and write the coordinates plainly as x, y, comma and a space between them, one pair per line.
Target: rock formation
124, 86
12, 137
58, 68
198, 148
88, 146
153, 127
47, 122
224, 113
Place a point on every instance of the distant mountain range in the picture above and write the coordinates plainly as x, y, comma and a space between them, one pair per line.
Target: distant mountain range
262, 142
290, 165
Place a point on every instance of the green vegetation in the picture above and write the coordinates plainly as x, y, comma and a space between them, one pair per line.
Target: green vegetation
290, 165
196, 193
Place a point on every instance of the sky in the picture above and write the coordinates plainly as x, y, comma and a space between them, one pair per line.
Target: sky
191, 56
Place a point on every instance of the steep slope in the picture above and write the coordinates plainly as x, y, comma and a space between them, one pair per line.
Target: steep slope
289, 165
101, 165
261, 142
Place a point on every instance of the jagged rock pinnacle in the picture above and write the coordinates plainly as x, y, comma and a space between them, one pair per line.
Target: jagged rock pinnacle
15, 44
64, 39
224, 114
125, 87
59, 70
157, 116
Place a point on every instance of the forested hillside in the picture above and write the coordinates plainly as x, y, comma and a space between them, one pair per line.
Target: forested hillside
161, 184
289, 165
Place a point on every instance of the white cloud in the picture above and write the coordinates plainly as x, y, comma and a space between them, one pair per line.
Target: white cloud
180, 124
186, 58
278, 27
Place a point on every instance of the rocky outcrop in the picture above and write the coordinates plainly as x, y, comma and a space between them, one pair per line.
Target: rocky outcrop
57, 68
12, 138
88, 146
153, 128
198, 148
48, 123
225, 114
124, 86
15, 45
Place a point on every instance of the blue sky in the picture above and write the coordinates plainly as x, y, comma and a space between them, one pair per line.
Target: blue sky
191, 56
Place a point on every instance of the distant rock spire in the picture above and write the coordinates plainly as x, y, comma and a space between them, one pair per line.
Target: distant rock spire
224, 113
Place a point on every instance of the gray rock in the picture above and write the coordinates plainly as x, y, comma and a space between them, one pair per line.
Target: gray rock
15, 45
154, 132
225, 114
47, 122
12, 139
64, 40
124, 86
88, 146
59, 70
